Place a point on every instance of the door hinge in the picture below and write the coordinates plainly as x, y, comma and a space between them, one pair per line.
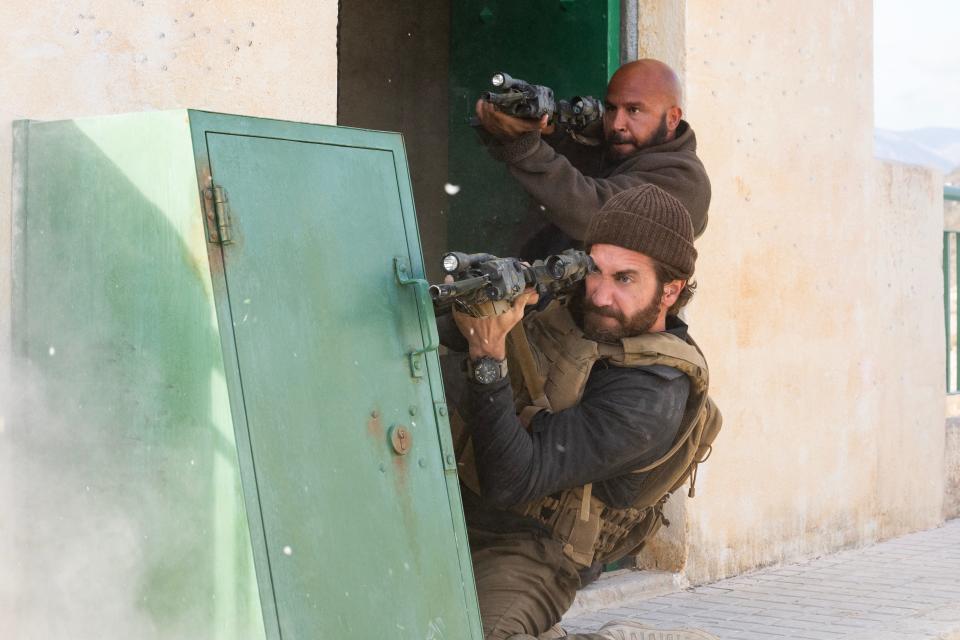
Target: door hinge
218, 215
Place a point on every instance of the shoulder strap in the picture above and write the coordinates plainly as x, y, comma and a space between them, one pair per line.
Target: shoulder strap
520, 349
658, 348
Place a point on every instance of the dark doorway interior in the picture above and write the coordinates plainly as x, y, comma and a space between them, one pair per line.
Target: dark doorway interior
393, 70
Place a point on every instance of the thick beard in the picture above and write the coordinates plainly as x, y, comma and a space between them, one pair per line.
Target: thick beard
657, 137
585, 313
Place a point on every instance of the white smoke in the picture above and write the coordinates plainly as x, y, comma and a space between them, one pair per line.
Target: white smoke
69, 560
76, 559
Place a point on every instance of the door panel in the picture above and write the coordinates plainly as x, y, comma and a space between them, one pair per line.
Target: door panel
362, 542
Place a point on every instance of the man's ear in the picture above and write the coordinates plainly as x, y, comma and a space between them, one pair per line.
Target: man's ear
671, 291
674, 114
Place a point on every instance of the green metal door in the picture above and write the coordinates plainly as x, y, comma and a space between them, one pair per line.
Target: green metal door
572, 46
362, 532
127, 513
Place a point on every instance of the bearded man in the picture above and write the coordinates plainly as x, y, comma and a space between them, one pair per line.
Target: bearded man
644, 141
571, 469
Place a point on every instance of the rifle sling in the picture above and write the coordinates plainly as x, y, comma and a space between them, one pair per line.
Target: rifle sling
520, 348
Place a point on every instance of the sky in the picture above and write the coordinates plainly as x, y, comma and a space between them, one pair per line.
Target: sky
916, 64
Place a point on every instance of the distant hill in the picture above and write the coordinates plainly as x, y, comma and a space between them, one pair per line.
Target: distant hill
933, 147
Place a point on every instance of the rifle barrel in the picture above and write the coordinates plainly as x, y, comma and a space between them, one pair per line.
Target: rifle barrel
451, 290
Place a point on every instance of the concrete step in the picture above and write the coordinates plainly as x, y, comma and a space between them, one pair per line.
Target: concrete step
627, 585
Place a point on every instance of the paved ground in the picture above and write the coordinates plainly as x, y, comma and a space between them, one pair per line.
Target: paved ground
907, 588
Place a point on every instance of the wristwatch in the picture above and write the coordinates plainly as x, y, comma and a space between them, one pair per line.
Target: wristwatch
485, 370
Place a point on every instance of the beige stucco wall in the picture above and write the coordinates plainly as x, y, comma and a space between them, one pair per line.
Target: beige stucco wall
951, 500
94, 57
660, 32
819, 304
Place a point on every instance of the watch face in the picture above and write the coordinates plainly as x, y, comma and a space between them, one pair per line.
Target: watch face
485, 371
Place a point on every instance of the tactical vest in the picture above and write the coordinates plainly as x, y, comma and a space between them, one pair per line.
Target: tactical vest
589, 529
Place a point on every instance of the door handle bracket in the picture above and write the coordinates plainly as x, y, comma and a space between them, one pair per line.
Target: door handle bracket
421, 289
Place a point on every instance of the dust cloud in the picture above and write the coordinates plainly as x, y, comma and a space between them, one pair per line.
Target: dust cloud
81, 553
70, 559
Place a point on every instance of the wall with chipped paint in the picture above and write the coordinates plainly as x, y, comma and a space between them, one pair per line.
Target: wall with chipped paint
95, 57
819, 305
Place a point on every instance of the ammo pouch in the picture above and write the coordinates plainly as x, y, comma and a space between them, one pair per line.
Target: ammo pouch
607, 534
561, 514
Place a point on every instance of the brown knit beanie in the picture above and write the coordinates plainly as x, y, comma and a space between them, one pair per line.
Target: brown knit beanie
649, 220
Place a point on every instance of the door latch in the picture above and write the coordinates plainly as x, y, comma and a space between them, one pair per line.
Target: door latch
421, 289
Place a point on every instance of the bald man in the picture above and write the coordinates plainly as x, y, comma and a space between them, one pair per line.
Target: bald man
645, 141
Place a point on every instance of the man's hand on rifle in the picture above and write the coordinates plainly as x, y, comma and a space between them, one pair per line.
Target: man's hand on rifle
506, 128
487, 336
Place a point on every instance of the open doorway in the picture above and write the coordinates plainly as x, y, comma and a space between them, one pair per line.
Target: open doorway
418, 66
392, 76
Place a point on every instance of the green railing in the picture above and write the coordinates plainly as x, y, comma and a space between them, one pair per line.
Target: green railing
951, 316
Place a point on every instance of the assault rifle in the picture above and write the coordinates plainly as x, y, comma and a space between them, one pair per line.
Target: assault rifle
521, 99
484, 284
